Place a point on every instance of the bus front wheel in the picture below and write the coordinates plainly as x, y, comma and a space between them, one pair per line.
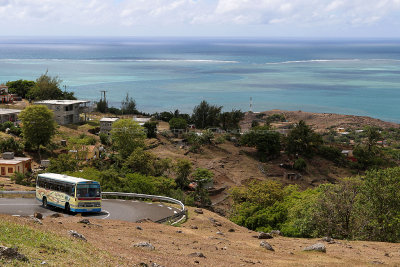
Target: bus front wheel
44, 202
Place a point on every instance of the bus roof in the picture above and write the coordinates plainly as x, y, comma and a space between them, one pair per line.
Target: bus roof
64, 178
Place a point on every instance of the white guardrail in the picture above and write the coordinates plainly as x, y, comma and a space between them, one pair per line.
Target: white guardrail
174, 219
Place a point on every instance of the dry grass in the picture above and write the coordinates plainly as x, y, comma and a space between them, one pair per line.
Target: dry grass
236, 248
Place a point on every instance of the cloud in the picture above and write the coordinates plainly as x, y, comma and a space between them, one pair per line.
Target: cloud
126, 14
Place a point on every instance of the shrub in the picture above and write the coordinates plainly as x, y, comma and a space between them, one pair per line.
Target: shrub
300, 164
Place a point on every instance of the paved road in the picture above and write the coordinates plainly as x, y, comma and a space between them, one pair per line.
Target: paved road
125, 210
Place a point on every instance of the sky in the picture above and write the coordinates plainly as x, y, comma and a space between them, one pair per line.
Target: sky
230, 18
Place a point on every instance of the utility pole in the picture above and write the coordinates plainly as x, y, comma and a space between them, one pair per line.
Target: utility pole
251, 104
103, 93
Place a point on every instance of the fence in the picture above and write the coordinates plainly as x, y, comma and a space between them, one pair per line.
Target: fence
172, 219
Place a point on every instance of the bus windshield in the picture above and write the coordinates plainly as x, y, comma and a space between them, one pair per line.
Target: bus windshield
88, 190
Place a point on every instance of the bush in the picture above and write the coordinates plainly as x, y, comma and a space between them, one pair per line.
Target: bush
151, 129
300, 164
178, 124
22, 179
331, 153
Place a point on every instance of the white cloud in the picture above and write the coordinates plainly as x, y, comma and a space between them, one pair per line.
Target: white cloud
125, 14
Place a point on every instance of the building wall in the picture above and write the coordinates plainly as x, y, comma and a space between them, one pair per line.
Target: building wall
9, 169
65, 114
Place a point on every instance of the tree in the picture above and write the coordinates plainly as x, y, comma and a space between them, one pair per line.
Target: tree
48, 87
20, 87
63, 163
177, 124
128, 105
183, 168
102, 106
303, 140
373, 135
38, 125
336, 209
151, 129
206, 115
141, 161
380, 200
230, 120
202, 176
127, 135
11, 144
265, 140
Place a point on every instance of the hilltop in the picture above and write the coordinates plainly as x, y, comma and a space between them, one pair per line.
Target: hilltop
220, 241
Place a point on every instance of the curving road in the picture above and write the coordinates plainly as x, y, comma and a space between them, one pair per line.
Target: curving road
116, 209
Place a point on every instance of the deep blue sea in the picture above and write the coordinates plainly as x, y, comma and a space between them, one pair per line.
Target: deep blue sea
360, 77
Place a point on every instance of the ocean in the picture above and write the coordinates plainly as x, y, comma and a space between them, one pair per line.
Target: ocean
359, 77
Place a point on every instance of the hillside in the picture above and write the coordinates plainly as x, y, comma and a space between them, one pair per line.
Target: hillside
112, 243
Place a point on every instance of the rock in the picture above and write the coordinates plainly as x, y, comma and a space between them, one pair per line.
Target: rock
77, 235
217, 224
38, 221
139, 228
231, 230
12, 254
316, 247
153, 264
262, 235
197, 254
84, 221
144, 245
275, 232
266, 245
327, 239
199, 211
56, 215
194, 227
43, 263
144, 220
179, 231
219, 233
38, 215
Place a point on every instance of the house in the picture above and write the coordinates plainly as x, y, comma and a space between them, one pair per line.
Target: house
66, 111
348, 153
5, 97
10, 164
141, 121
8, 114
106, 124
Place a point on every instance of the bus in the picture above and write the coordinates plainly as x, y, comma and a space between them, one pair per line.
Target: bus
70, 193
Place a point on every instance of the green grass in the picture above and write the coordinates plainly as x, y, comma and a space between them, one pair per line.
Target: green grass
56, 250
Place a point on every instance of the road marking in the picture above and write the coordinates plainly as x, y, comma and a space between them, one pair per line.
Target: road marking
149, 203
121, 199
13, 204
134, 201
160, 205
108, 214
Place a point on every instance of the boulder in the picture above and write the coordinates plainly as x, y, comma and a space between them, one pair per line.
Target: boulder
275, 232
146, 245
139, 228
197, 254
262, 235
231, 230
266, 245
12, 254
316, 247
38, 215
199, 211
84, 221
77, 235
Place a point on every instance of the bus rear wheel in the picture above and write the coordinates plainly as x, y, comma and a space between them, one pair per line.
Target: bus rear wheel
67, 208
44, 202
